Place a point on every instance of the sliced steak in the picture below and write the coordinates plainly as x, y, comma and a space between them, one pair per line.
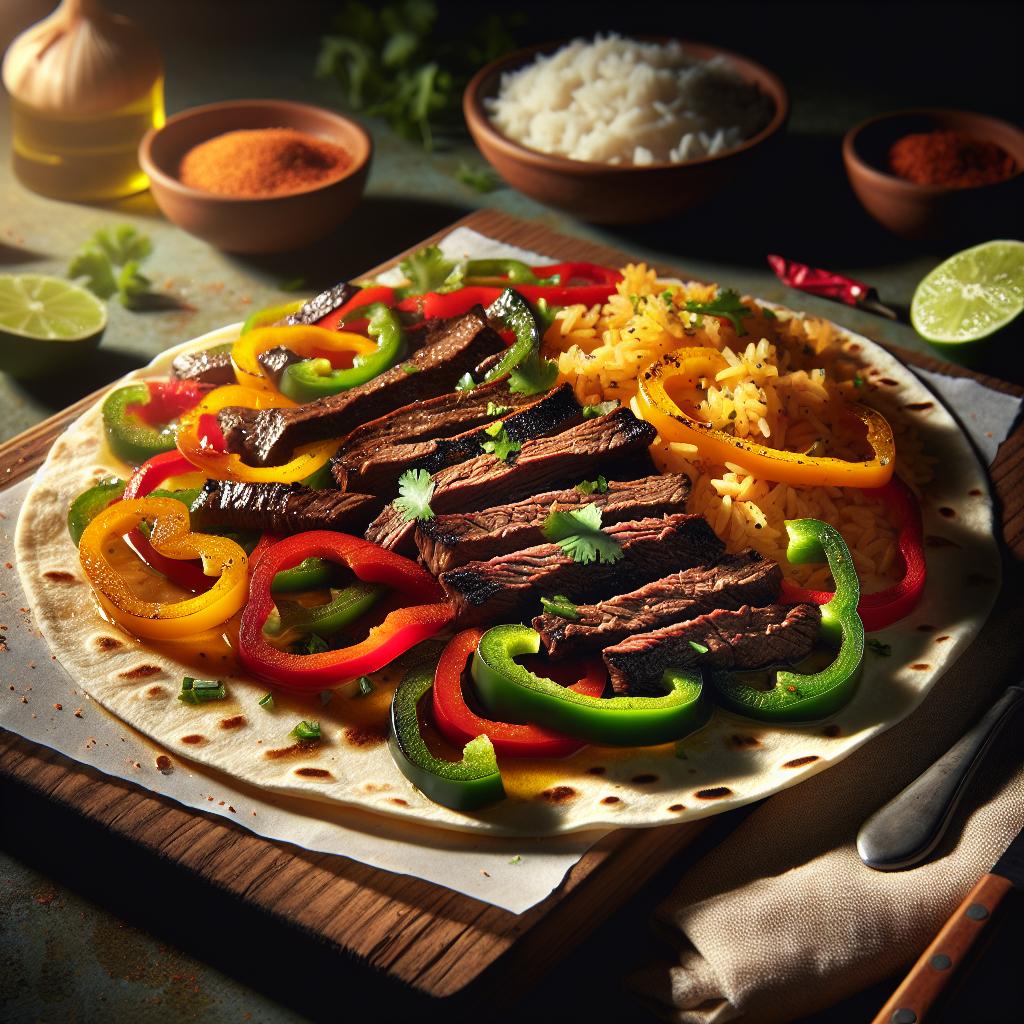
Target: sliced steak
736, 580
276, 360
320, 305
208, 366
269, 436
281, 508
378, 474
448, 541
504, 588
443, 416
740, 639
580, 453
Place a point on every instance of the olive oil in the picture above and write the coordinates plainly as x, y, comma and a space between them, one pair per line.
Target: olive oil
84, 157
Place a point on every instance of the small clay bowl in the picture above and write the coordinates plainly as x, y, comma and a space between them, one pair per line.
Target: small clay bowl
933, 212
272, 224
612, 193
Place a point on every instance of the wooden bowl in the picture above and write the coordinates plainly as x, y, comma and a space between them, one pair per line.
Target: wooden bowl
272, 224
933, 212
610, 193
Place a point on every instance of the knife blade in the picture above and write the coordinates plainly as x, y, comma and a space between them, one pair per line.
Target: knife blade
928, 977
909, 827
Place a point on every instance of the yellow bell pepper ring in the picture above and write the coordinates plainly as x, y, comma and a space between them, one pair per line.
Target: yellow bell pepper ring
222, 465
302, 339
171, 536
692, 366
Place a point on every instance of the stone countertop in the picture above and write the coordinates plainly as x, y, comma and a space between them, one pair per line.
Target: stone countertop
82, 944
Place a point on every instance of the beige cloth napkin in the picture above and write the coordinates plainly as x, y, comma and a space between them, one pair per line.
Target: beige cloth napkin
782, 919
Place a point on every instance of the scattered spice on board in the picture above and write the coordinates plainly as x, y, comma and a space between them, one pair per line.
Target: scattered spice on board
262, 162
950, 159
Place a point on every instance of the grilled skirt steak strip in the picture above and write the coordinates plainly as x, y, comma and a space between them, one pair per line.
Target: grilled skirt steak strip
443, 416
580, 453
548, 414
448, 541
736, 580
269, 436
320, 305
207, 366
281, 508
505, 588
740, 639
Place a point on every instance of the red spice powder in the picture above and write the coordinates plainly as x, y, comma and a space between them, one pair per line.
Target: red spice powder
262, 162
950, 159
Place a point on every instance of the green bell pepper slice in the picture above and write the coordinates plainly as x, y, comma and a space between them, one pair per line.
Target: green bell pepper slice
805, 698
271, 315
512, 271
311, 379
309, 574
90, 503
129, 438
464, 785
344, 608
515, 313
511, 693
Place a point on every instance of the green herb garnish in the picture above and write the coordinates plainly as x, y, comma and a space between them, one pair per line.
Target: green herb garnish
533, 375
560, 605
410, 368
109, 262
588, 487
199, 691
517, 859
699, 648
482, 179
493, 409
501, 446
365, 685
546, 314
578, 533
426, 270
306, 731
313, 644
727, 305
267, 701
415, 489
465, 382
600, 409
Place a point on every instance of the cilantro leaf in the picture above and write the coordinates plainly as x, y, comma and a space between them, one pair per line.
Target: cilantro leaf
578, 533
560, 605
482, 179
501, 445
94, 265
132, 286
465, 382
601, 409
123, 244
493, 409
415, 488
533, 375
598, 486
410, 368
727, 305
426, 270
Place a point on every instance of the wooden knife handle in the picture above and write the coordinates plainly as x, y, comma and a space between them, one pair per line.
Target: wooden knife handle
910, 1003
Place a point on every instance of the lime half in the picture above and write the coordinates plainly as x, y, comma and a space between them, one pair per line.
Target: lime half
971, 295
46, 323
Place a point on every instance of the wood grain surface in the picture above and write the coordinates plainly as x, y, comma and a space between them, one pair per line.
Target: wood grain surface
438, 942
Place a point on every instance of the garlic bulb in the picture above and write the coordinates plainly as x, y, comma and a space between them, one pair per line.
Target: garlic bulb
81, 60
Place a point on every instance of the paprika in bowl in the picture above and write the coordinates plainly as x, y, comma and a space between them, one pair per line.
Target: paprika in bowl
257, 175
948, 175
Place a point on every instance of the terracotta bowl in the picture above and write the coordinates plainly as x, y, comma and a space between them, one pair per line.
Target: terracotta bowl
608, 193
932, 211
274, 224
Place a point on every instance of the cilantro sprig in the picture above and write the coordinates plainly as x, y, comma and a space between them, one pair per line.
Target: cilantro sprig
501, 445
109, 263
533, 375
578, 533
727, 305
598, 486
415, 490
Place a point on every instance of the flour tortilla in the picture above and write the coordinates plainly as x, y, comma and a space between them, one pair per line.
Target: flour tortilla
732, 761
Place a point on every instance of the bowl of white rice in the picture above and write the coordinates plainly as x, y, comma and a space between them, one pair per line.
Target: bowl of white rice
618, 130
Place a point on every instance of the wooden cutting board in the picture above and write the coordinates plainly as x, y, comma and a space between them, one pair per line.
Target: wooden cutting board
439, 943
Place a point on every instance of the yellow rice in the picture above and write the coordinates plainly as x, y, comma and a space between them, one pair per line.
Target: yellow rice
785, 385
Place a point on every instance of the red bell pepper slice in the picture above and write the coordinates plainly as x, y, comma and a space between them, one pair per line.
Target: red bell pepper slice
146, 479
335, 320
168, 399
884, 607
459, 724
401, 629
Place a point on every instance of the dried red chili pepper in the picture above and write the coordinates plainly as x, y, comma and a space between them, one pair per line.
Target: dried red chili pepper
828, 285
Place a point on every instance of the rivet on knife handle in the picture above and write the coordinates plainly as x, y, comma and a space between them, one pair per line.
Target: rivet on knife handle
907, 829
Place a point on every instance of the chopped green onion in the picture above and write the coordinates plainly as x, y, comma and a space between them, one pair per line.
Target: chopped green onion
699, 648
267, 701
198, 691
306, 731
